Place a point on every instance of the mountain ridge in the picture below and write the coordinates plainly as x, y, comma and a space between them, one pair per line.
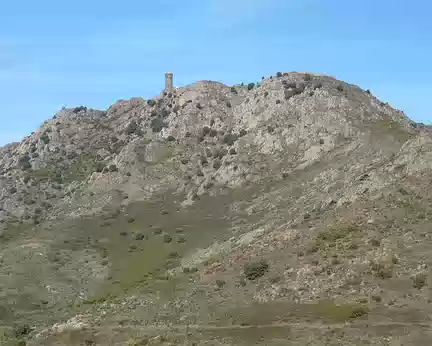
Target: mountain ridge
209, 205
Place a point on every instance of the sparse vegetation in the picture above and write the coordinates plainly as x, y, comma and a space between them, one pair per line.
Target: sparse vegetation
334, 234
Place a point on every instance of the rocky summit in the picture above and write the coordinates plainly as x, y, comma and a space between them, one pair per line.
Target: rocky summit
292, 211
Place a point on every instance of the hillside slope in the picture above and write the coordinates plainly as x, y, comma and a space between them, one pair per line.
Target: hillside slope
294, 210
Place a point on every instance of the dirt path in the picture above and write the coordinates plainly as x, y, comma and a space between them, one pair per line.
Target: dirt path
358, 324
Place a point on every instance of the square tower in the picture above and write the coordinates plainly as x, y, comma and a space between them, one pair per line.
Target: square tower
168, 82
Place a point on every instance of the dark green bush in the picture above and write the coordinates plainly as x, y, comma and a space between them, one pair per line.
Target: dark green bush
222, 153
288, 94
220, 283
243, 132
206, 130
112, 168
255, 270
131, 128
217, 164
157, 124
44, 138
167, 238
229, 138
251, 86
22, 330
203, 160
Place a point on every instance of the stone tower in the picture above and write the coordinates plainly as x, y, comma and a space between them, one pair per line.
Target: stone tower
168, 82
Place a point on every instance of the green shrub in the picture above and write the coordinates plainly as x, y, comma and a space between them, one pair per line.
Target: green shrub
255, 270
229, 138
222, 153
288, 94
167, 238
131, 128
419, 281
181, 239
44, 138
205, 130
112, 168
157, 124
279, 74
217, 164
203, 160
220, 283
251, 86
22, 330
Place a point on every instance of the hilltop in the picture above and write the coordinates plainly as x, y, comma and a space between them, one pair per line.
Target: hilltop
295, 209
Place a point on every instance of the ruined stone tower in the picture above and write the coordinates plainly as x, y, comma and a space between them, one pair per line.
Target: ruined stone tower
168, 81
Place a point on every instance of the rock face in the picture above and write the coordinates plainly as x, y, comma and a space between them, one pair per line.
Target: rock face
250, 171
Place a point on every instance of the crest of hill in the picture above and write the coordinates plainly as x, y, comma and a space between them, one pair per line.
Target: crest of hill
168, 212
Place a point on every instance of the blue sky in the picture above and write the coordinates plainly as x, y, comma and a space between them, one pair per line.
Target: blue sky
93, 53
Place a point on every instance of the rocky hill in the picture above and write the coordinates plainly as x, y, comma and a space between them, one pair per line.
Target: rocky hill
293, 210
